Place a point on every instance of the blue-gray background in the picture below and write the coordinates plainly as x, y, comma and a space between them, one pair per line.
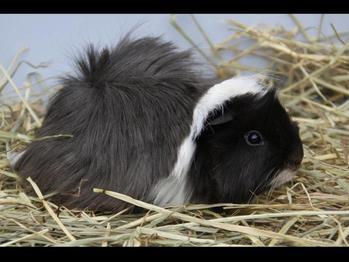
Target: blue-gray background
55, 37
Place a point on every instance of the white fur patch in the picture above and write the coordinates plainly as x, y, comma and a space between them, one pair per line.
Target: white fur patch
172, 190
283, 177
220, 93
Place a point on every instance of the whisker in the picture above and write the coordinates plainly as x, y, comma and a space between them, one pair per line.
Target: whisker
253, 193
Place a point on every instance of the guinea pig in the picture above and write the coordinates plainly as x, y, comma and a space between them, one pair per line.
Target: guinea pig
145, 122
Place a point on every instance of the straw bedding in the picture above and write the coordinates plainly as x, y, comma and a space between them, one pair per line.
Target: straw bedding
312, 210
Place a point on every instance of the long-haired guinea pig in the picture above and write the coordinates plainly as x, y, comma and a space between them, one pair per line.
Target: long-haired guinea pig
146, 123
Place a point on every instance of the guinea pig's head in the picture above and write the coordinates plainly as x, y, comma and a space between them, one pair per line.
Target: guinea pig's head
247, 146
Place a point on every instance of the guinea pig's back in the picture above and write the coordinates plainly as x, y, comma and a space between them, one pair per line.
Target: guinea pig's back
122, 118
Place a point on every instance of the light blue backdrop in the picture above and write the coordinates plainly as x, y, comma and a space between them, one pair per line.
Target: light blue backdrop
55, 37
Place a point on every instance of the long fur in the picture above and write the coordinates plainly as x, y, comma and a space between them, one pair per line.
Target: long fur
128, 109
146, 123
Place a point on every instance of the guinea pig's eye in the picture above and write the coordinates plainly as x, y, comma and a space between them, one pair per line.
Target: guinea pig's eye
254, 138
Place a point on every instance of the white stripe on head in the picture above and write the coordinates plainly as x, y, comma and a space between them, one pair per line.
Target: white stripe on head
173, 189
215, 97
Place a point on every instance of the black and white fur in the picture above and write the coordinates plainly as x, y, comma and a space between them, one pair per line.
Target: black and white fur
145, 123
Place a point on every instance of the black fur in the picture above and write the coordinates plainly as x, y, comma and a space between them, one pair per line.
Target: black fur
128, 109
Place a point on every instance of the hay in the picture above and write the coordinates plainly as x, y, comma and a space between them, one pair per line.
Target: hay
312, 210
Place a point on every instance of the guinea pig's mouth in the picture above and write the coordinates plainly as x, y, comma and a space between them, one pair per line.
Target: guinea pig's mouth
283, 177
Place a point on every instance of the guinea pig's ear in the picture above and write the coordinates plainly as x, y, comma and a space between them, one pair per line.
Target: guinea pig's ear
214, 123
221, 118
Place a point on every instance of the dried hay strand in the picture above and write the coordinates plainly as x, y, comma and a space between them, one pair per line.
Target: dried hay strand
311, 210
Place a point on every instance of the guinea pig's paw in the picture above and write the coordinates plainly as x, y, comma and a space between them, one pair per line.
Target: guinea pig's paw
283, 177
